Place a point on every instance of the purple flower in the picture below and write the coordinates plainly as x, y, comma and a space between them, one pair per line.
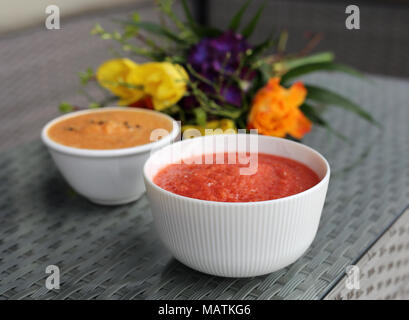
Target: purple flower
222, 54
217, 59
231, 94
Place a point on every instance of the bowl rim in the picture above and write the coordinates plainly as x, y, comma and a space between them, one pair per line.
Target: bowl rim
107, 152
320, 184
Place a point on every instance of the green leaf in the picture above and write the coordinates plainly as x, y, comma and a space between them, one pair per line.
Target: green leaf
166, 6
188, 14
209, 32
235, 21
311, 113
156, 29
132, 31
266, 72
199, 76
322, 66
331, 98
200, 116
154, 54
97, 29
86, 76
176, 59
211, 107
315, 58
260, 48
94, 105
65, 107
200, 31
282, 41
135, 17
248, 30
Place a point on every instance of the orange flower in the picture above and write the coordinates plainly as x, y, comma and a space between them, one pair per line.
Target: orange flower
275, 110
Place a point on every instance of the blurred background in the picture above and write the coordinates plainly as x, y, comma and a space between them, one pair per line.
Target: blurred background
39, 67
39, 70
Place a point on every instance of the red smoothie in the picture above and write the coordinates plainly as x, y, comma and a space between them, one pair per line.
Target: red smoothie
276, 177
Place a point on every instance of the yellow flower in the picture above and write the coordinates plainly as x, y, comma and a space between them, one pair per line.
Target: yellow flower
115, 75
164, 82
225, 126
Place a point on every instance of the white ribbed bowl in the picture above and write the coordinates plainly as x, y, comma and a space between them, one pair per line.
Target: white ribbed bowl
237, 239
107, 177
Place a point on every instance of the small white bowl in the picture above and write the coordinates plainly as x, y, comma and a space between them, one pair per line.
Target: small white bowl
108, 177
237, 239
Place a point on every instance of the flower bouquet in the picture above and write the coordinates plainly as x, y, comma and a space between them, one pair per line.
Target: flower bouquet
216, 79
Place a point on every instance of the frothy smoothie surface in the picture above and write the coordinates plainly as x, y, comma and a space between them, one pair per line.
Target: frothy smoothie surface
276, 177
